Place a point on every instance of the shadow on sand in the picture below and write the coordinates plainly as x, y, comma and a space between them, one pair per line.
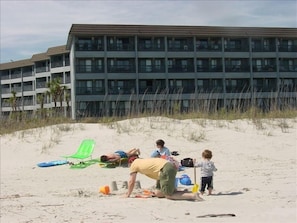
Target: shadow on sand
227, 193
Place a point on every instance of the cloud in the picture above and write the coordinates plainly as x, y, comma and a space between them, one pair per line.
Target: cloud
34, 26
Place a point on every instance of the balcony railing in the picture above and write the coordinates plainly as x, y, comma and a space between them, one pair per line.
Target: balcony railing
121, 47
121, 90
266, 68
209, 47
27, 102
179, 90
27, 73
237, 68
231, 48
5, 77
264, 48
152, 90
41, 85
28, 88
89, 47
151, 68
150, 47
16, 75
17, 89
55, 64
209, 89
207, 68
178, 47
41, 69
287, 48
89, 69
90, 91
288, 68
121, 69
5, 90
180, 68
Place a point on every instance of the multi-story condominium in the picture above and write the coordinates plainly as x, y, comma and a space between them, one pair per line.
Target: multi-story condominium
127, 69
28, 79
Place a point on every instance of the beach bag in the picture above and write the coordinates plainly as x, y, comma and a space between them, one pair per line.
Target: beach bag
187, 162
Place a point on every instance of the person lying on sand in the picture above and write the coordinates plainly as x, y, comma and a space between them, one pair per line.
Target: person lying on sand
118, 155
164, 172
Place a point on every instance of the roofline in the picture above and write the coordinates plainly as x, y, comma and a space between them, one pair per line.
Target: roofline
177, 30
56, 50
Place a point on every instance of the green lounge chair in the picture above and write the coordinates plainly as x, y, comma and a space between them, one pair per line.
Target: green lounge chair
84, 151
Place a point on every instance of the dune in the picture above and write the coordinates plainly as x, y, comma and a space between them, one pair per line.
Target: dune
255, 181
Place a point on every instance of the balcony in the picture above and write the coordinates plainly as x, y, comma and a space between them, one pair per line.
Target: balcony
288, 68
266, 68
55, 64
180, 68
121, 68
89, 69
16, 75
90, 91
264, 48
151, 47
152, 90
16, 89
182, 90
121, 90
5, 90
209, 68
41, 69
180, 44
28, 88
41, 85
151, 69
287, 48
237, 68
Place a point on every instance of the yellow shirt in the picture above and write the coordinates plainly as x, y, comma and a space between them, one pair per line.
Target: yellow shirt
150, 167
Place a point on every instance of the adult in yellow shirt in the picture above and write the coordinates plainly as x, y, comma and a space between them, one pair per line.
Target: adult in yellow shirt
164, 172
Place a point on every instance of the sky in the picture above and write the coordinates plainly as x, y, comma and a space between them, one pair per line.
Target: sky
29, 27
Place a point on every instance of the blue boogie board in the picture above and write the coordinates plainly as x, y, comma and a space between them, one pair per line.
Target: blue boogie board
52, 163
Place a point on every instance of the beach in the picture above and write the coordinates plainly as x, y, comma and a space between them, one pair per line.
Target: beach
255, 181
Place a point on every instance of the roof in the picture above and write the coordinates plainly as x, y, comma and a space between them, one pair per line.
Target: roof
57, 50
161, 30
36, 57
16, 64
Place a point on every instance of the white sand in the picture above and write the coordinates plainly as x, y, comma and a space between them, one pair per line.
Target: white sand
256, 177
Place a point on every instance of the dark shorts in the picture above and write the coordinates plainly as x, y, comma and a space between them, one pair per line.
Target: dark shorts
166, 183
206, 181
121, 153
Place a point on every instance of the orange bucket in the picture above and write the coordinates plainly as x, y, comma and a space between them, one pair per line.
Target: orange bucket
104, 190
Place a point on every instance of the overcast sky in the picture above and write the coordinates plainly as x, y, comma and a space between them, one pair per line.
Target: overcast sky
28, 27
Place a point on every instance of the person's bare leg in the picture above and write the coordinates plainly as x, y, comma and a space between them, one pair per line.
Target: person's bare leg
182, 195
132, 152
159, 194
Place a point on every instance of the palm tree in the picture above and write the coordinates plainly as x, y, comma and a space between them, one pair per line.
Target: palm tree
40, 99
56, 90
12, 102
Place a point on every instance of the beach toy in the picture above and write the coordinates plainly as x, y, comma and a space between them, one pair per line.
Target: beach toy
104, 190
185, 180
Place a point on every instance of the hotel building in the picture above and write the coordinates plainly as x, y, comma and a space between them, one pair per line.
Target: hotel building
127, 69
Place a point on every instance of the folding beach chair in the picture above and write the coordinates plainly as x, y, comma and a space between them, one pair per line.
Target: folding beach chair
84, 151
